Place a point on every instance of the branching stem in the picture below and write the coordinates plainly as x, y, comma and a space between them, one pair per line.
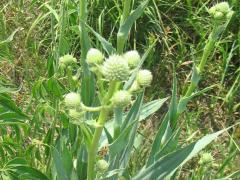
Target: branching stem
92, 152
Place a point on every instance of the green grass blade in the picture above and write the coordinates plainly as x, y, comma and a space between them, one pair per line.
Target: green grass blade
173, 104
63, 163
127, 25
107, 46
182, 105
151, 107
10, 38
88, 85
9, 104
133, 113
164, 128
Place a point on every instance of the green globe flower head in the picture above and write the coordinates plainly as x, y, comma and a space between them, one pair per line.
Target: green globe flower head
212, 11
72, 99
144, 78
94, 56
121, 98
67, 60
222, 7
102, 165
133, 58
221, 12
206, 158
115, 68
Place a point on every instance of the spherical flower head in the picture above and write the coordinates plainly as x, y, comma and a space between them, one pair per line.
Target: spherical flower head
115, 68
72, 99
102, 165
121, 98
222, 7
94, 56
221, 12
133, 58
67, 60
206, 158
144, 78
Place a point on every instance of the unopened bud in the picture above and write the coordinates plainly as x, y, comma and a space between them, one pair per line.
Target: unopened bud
94, 56
144, 78
72, 99
221, 12
133, 58
222, 7
67, 60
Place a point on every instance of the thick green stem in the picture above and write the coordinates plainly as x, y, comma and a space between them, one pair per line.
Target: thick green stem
94, 146
207, 52
91, 109
92, 152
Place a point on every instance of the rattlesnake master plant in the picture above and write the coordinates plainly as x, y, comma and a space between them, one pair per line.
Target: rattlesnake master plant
119, 88
111, 73
94, 127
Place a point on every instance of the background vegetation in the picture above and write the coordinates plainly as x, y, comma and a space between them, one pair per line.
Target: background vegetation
33, 34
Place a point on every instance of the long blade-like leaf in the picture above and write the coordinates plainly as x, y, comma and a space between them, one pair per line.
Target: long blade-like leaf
167, 165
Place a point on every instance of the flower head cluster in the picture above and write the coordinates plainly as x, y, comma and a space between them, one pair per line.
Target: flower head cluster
144, 79
67, 60
221, 12
115, 67
118, 68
